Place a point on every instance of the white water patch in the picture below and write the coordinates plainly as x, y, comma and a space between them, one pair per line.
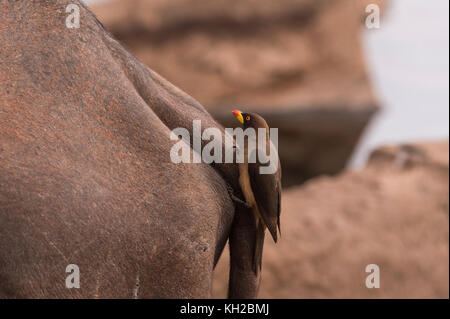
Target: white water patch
408, 62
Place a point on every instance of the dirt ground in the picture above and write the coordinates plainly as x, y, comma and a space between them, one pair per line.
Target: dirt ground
394, 213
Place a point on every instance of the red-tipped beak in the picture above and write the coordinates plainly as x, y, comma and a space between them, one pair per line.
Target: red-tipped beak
238, 115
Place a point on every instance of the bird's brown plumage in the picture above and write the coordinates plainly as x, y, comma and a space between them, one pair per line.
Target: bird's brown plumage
261, 191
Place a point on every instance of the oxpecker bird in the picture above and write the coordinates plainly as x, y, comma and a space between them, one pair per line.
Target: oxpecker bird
262, 192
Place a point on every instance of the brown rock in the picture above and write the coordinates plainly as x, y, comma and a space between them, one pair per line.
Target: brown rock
296, 62
394, 213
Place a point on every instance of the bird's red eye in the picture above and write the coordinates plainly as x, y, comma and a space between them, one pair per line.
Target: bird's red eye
247, 118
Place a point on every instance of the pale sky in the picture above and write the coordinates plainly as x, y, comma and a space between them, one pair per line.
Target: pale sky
408, 61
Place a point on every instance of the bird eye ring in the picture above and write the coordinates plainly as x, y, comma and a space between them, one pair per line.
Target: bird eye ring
247, 118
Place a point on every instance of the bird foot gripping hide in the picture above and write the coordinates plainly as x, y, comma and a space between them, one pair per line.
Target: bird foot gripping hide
236, 199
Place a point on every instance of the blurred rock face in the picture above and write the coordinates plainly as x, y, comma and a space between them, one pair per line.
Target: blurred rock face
296, 62
394, 214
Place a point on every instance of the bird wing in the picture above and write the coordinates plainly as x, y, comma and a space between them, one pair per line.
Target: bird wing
267, 191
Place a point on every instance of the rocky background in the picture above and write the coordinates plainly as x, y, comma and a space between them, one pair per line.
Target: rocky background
300, 64
393, 213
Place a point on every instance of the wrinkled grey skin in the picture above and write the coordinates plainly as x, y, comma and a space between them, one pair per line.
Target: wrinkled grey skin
86, 176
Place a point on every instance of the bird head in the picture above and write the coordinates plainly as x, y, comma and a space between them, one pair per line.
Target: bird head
250, 119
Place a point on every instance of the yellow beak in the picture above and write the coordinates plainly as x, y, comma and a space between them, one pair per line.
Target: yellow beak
238, 115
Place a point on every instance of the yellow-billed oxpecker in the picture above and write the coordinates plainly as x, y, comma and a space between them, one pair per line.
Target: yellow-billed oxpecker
262, 192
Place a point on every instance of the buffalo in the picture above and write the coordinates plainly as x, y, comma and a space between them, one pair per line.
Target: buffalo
85, 171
